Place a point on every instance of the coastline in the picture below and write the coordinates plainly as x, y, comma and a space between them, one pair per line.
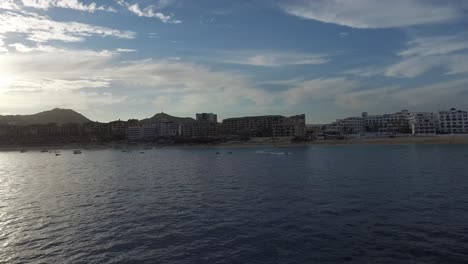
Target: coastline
439, 139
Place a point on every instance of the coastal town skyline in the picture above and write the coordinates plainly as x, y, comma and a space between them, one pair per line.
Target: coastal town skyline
220, 118
65, 126
126, 58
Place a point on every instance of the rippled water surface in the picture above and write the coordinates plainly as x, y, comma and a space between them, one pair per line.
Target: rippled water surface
327, 204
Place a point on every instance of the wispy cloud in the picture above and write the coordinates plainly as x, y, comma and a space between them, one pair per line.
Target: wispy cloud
435, 45
317, 89
2, 45
271, 58
152, 11
69, 4
375, 14
426, 53
366, 71
343, 34
38, 28
348, 94
67, 71
9, 5
439, 95
153, 35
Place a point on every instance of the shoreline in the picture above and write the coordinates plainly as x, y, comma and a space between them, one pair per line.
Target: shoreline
443, 139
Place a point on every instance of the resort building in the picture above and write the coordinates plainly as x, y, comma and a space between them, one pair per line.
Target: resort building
251, 126
350, 125
198, 129
207, 117
423, 123
452, 121
264, 126
293, 126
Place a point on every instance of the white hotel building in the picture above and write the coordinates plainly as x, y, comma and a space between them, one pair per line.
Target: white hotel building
423, 123
452, 121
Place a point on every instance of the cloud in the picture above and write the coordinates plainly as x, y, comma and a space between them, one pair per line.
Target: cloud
19, 47
440, 95
435, 45
87, 103
120, 50
150, 11
271, 58
2, 45
56, 84
9, 5
367, 71
375, 14
426, 53
352, 95
67, 71
69, 4
343, 34
153, 35
318, 89
39, 28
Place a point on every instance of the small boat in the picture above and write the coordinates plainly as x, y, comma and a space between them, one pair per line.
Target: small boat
23, 151
77, 151
142, 152
230, 152
57, 154
218, 153
44, 151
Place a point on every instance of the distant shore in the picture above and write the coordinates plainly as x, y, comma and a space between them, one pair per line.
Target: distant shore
439, 139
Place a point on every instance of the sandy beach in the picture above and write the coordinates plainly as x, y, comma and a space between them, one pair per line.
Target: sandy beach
439, 139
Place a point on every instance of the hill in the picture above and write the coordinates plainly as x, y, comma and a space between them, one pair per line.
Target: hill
167, 118
57, 115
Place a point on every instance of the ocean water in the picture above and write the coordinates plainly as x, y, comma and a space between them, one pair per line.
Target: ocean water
324, 204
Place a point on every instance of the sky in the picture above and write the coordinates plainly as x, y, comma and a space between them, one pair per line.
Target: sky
329, 59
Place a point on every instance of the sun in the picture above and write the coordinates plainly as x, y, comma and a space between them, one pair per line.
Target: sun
6, 81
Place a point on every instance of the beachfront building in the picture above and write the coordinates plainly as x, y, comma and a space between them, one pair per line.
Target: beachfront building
96, 131
142, 132
452, 121
393, 123
423, 123
251, 126
151, 131
350, 125
293, 126
373, 124
198, 129
119, 128
167, 129
207, 117
264, 126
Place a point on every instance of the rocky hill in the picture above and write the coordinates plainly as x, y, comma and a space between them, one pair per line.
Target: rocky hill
57, 115
167, 118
